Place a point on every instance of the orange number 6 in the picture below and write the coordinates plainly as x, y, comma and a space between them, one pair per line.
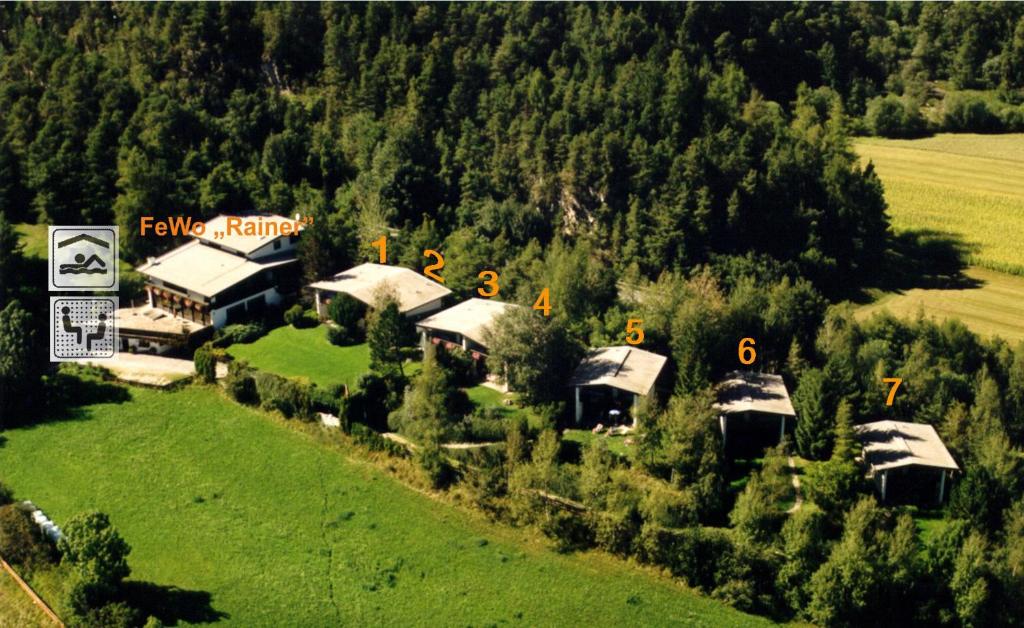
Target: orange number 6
746, 351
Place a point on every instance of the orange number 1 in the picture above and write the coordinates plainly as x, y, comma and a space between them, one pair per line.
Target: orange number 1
382, 244
895, 381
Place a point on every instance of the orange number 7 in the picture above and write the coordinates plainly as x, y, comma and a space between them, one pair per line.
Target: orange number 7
895, 381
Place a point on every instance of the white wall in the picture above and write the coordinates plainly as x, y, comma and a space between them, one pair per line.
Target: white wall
220, 314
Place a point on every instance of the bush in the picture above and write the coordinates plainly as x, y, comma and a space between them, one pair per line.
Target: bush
21, 542
438, 470
242, 333
241, 384
615, 532
459, 364
340, 336
6, 494
889, 116
373, 441
966, 112
290, 398
483, 426
348, 312
569, 530
293, 315
206, 363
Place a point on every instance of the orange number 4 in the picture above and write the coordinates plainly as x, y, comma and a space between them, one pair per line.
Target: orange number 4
895, 381
543, 302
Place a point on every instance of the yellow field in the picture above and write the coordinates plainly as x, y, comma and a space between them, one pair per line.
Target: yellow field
968, 185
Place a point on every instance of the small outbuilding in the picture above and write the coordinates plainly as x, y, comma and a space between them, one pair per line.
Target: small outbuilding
418, 296
463, 325
610, 381
908, 461
754, 411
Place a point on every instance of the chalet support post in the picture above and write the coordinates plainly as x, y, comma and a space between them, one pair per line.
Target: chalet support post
885, 476
782, 427
942, 485
316, 295
579, 406
465, 344
423, 340
722, 424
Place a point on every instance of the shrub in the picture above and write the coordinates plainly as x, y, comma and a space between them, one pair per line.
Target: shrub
615, 532
241, 333
290, 398
6, 494
241, 384
484, 426
890, 116
964, 112
348, 312
438, 470
206, 363
293, 315
373, 441
569, 530
340, 336
459, 364
21, 542
95, 550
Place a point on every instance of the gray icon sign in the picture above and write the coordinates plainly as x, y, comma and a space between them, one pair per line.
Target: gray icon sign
83, 258
83, 328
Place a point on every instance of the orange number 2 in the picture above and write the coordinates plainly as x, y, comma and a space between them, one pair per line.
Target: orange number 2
437, 265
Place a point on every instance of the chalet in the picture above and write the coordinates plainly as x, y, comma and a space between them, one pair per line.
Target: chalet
418, 296
463, 325
908, 461
213, 281
610, 381
754, 411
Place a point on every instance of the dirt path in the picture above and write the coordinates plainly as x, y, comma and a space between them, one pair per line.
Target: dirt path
796, 487
401, 440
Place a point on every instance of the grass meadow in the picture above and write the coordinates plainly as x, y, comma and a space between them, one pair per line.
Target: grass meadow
305, 354
16, 608
234, 515
971, 186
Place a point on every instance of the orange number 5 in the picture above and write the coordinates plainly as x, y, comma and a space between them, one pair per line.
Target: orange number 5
634, 333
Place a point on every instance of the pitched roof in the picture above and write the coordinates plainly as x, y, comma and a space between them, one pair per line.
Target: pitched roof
747, 391
362, 282
469, 318
244, 244
626, 368
891, 444
203, 269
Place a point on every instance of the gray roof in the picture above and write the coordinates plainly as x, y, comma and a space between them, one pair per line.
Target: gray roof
626, 368
204, 269
747, 391
362, 282
245, 244
469, 318
891, 444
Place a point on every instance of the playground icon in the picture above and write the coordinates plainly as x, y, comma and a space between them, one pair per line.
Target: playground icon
82, 328
83, 258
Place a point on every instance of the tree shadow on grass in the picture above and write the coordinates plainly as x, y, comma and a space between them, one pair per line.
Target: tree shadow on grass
65, 397
171, 604
924, 258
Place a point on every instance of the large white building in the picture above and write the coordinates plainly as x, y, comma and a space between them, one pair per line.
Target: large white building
213, 280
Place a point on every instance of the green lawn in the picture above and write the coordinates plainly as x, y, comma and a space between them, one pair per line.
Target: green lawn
235, 515
992, 308
616, 444
16, 608
485, 397
305, 353
971, 186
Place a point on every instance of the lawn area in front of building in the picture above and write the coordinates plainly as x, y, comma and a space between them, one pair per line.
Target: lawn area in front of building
305, 354
237, 516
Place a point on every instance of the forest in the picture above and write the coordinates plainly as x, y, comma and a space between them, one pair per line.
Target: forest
697, 153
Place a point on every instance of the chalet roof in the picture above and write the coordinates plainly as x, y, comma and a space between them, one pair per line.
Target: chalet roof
747, 391
891, 444
244, 244
469, 318
626, 368
150, 319
204, 269
362, 282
